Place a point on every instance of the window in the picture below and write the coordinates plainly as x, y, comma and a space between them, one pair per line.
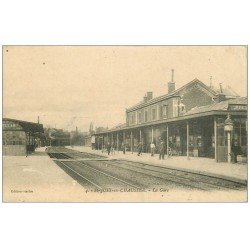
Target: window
182, 108
239, 132
160, 112
153, 114
175, 108
14, 138
221, 134
165, 111
133, 119
139, 117
146, 116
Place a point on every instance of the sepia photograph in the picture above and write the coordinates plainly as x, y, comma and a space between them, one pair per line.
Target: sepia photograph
124, 123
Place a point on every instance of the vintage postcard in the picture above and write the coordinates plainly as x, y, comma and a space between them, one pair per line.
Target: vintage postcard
124, 124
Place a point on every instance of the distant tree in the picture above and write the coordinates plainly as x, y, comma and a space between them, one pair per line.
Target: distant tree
56, 136
77, 139
101, 129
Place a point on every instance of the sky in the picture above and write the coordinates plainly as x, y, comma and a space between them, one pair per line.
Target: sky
69, 86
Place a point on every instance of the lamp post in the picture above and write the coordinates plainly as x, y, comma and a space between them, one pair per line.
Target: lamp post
228, 127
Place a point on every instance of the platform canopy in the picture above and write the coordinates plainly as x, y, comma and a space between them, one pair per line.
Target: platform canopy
28, 127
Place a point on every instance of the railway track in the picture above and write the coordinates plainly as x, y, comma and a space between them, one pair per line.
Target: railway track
87, 173
80, 164
191, 179
75, 154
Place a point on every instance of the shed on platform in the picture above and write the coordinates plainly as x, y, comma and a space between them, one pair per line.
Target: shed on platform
21, 137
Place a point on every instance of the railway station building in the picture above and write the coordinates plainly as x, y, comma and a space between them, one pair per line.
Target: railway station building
21, 137
191, 121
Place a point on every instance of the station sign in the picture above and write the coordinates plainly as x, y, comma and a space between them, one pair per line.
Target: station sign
9, 125
234, 107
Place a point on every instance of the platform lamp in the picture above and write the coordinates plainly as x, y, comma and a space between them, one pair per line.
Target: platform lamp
228, 127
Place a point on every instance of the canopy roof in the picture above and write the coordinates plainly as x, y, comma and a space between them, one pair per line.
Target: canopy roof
196, 112
27, 126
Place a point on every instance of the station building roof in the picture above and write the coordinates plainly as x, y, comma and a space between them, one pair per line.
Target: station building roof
221, 106
232, 98
235, 105
119, 126
227, 91
27, 126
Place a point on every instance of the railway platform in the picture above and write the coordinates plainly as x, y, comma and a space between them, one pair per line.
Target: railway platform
37, 178
194, 164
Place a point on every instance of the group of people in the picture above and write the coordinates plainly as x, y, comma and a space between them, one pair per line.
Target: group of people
236, 149
161, 147
110, 148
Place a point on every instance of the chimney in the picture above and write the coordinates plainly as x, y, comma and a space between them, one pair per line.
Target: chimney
38, 121
172, 79
149, 95
220, 98
145, 98
221, 90
171, 85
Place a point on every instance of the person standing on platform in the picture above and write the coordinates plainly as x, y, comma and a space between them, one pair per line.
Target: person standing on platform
161, 150
113, 148
139, 148
236, 150
152, 148
27, 150
123, 148
108, 148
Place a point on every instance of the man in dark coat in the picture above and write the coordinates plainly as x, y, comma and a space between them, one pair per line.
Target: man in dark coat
236, 149
161, 150
124, 148
139, 148
108, 148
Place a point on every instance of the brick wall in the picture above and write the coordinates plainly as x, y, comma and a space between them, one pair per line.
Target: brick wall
192, 96
195, 96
